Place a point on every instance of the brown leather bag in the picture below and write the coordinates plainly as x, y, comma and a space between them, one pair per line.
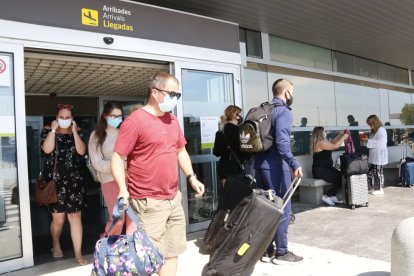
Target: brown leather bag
46, 192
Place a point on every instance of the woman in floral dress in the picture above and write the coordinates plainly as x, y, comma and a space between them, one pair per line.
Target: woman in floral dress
69, 177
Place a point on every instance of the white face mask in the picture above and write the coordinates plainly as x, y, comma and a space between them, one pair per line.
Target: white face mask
168, 104
64, 123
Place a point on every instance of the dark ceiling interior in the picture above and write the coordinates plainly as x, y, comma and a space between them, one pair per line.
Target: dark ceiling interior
379, 30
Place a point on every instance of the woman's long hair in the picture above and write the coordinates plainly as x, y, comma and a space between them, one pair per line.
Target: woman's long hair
375, 123
100, 130
318, 134
228, 114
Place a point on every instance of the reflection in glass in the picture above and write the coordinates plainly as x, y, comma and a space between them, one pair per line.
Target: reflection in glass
391, 73
366, 68
384, 104
343, 63
10, 228
347, 95
255, 87
294, 52
301, 139
205, 96
201, 209
254, 44
313, 99
397, 100
300, 142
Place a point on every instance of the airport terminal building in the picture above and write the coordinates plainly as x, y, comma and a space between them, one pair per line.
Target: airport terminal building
86, 53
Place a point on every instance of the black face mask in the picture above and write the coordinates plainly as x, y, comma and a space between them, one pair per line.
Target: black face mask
289, 101
240, 120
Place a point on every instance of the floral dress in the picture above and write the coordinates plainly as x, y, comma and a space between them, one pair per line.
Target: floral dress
69, 177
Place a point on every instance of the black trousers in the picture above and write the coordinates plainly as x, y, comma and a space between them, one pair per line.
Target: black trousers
330, 175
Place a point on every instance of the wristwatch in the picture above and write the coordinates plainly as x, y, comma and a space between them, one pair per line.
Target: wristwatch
191, 175
53, 130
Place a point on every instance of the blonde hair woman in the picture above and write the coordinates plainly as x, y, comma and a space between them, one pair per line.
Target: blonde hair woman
322, 166
228, 136
378, 155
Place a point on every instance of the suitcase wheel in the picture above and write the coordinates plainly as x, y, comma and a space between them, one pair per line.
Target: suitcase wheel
366, 204
292, 219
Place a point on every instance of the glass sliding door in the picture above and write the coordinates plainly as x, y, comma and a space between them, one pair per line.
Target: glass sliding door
15, 232
206, 92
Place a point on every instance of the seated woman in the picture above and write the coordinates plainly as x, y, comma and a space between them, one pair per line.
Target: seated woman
322, 166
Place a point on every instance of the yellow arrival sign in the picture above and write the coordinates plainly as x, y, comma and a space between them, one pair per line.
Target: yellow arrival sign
90, 17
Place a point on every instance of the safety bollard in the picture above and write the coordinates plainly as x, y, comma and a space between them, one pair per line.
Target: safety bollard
402, 249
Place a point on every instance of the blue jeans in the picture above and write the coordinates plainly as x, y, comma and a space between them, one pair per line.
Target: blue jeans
279, 181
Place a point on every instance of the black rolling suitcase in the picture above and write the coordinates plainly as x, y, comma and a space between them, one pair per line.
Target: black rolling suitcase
247, 231
237, 187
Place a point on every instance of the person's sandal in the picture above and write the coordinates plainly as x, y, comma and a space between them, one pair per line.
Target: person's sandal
82, 261
56, 255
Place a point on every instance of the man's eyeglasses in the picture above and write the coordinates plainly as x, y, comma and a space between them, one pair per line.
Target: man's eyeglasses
65, 106
171, 93
115, 116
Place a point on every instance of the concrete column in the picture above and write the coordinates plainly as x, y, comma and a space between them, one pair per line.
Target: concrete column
402, 249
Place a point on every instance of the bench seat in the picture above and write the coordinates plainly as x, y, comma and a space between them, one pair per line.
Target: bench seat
392, 165
311, 190
391, 173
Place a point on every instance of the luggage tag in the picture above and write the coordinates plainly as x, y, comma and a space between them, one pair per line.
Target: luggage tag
243, 249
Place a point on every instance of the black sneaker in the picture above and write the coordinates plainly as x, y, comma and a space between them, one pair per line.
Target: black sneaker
267, 257
288, 258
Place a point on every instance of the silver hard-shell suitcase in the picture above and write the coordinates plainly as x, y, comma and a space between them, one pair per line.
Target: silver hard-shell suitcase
356, 190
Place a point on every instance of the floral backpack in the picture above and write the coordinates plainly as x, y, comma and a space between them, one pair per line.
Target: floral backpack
126, 254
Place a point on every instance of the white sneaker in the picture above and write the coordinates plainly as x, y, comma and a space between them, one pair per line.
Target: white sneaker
327, 200
378, 192
334, 199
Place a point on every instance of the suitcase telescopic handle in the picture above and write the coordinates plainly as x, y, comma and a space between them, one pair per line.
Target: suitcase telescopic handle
290, 191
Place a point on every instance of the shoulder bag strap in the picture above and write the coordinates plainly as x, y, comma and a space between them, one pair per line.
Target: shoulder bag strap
56, 155
119, 212
231, 151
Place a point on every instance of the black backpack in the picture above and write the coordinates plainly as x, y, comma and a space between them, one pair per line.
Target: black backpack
255, 136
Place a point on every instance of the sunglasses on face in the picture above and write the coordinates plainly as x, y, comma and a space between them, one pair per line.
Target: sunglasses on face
171, 93
65, 106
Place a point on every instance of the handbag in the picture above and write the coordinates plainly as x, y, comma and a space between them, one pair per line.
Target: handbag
126, 254
353, 164
46, 192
